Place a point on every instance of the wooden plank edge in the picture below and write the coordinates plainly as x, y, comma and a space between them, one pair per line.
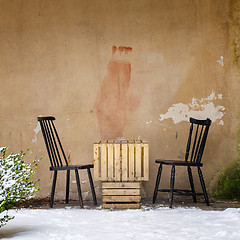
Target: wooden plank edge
119, 185
121, 206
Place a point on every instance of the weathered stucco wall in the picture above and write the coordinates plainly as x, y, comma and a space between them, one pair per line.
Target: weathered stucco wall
107, 69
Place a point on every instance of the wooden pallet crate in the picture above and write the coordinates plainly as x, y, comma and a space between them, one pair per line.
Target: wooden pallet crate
121, 166
121, 161
121, 195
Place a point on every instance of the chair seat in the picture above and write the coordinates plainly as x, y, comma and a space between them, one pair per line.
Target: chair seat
71, 167
178, 162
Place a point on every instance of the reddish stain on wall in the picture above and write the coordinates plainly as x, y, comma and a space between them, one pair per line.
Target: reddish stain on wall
121, 49
124, 49
114, 49
113, 104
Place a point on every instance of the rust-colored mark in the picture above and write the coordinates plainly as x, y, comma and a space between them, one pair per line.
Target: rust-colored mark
124, 49
121, 49
114, 49
113, 104
69, 158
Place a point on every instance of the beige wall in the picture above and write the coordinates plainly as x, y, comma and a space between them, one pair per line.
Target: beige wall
128, 68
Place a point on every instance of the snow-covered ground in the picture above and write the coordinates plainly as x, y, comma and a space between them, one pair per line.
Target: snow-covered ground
146, 223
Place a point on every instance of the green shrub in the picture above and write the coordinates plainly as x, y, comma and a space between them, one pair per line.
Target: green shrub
15, 183
228, 186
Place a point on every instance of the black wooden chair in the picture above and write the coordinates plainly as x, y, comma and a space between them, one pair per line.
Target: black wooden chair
59, 162
195, 147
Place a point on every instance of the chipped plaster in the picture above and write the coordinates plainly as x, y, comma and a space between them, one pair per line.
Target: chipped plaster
36, 130
220, 61
198, 108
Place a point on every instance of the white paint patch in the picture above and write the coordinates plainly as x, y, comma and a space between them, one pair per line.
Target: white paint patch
220, 61
36, 130
85, 194
148, 123
150, 62
221, 122
199, 108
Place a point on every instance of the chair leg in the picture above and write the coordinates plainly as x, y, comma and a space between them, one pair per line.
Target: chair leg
79, 188
92, 186
172, 185
67, 186
203, 186
53, 188
157, 183
192, 184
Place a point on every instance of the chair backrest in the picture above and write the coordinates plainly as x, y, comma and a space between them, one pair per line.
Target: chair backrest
54, 147
197, 139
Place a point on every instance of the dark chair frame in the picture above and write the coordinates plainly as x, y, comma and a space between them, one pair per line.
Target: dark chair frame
195, 150
59, 161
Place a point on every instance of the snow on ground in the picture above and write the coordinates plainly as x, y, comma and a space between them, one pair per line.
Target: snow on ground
146, 223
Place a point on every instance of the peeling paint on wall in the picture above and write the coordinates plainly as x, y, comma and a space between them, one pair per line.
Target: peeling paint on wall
85, 194
148, 123
36, 130
199, 108
220, 61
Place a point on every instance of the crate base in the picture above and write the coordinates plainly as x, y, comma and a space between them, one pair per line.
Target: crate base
121, 205
121, 195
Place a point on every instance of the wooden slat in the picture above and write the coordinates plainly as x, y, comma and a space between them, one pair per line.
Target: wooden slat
131, 162
117, 159
121, 185
145, 162
125, 162
136, 199
121, 195
138, 159
120, 192
110, 164
96, 161
121, 206
103, 162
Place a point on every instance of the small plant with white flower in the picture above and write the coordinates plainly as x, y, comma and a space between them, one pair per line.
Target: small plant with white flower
15, 183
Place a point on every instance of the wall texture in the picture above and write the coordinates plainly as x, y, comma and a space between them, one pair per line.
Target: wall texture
127, 68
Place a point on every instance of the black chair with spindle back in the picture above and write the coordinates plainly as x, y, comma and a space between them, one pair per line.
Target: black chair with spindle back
59, 161
195, 146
